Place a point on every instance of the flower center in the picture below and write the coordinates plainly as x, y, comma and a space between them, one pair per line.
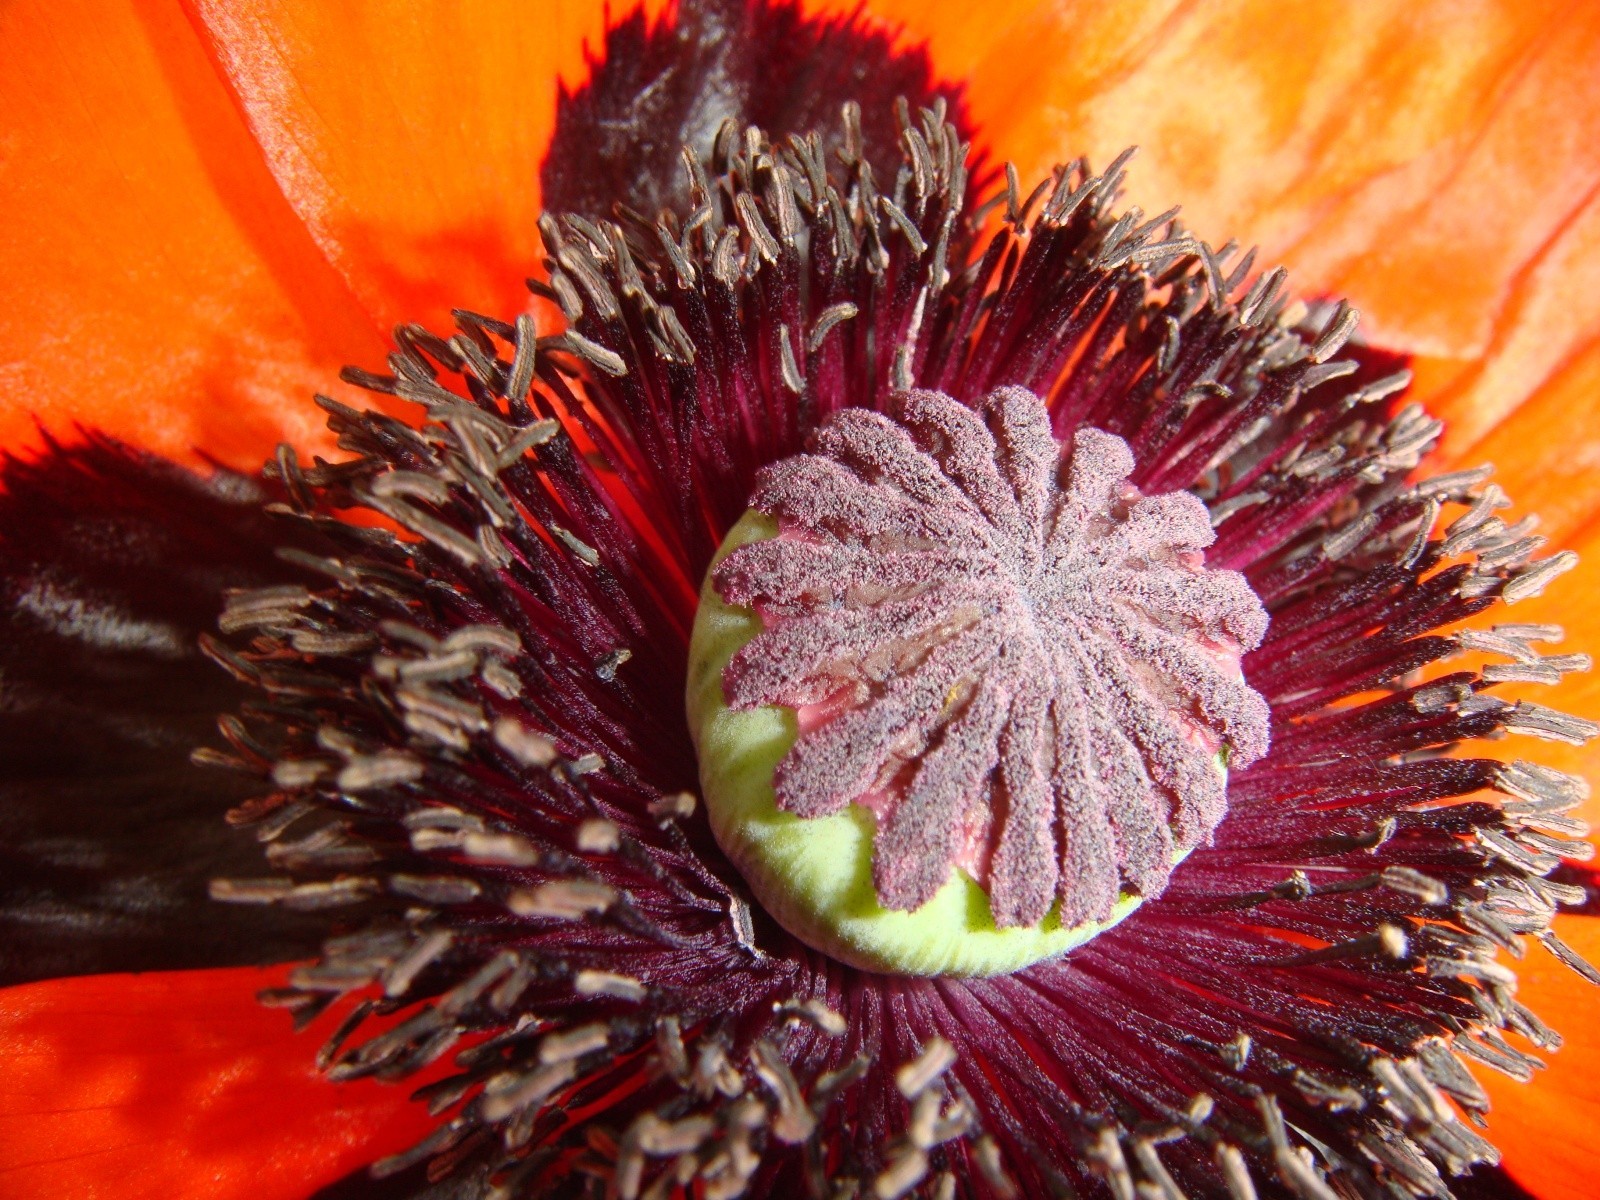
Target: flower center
962, 695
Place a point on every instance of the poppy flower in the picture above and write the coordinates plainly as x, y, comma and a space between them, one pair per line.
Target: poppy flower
1086, 581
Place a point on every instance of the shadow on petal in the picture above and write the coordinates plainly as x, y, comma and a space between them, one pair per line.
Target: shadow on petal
112, 562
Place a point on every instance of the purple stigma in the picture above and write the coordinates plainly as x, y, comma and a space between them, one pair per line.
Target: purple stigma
993, 641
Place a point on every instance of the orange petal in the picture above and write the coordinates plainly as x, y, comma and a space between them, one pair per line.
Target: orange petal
152, 280
1548, 450
1411, 155
1543, 344
409, 139
1023, 63
1433, 163
152, 1087
1546, 1129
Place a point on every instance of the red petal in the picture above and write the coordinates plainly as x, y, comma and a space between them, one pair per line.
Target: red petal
155, 1087
409, 139
152, 280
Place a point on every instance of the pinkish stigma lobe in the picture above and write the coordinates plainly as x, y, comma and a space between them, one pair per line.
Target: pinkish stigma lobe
993, 641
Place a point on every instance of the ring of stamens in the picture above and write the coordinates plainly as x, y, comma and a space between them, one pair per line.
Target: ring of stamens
501, 820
